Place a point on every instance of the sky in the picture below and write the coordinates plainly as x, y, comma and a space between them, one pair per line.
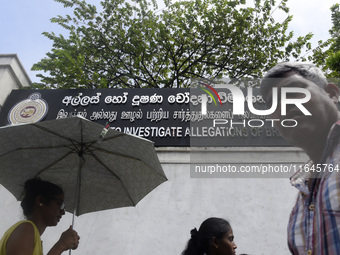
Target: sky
23, 23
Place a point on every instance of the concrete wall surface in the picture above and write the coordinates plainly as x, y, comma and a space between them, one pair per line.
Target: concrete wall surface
12, 75
257, 208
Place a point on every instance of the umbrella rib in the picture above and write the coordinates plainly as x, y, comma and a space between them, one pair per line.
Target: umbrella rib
121, 155
76, 148
52, 132
113, 137
47, 167
116, 153
56, 161
114, 174
75, 144
88, 145
36, 148
80, 150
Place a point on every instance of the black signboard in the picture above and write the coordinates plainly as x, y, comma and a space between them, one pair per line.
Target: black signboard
169, 117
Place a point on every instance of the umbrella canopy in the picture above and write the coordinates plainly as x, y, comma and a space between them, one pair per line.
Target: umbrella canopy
95, 173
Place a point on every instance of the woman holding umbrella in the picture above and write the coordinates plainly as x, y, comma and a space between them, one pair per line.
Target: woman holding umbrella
43, 206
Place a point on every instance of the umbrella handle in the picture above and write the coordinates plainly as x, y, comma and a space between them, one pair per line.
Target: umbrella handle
76, 198
74, 212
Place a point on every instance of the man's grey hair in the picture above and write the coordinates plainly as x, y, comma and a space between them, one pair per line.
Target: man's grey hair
307, 70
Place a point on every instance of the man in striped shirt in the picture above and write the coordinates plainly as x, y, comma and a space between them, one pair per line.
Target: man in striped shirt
314, 223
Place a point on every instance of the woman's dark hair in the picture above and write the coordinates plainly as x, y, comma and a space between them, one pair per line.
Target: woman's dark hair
200, 239
36, 187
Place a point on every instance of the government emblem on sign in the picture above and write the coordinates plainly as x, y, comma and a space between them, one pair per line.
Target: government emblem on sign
31, 110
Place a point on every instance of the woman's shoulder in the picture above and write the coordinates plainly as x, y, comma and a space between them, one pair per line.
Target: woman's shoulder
24, 224
24, 228
20, 237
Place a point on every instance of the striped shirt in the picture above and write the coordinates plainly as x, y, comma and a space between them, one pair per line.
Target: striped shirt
314, 223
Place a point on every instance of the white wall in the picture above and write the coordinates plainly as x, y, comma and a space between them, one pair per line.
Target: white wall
258, 209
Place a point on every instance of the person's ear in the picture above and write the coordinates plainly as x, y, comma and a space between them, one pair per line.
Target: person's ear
333, 92
214, 242
40, 201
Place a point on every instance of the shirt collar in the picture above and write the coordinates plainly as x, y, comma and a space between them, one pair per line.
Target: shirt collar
300, 178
